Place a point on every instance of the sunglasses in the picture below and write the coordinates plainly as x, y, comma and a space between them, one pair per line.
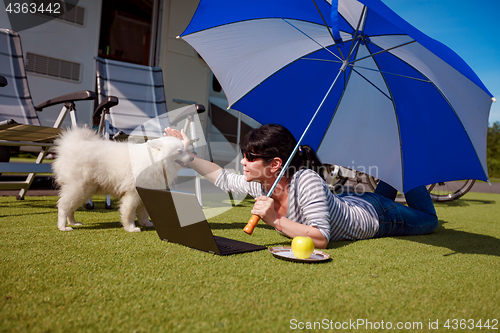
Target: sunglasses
250, 157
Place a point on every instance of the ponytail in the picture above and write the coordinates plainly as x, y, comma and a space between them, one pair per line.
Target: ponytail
309, 160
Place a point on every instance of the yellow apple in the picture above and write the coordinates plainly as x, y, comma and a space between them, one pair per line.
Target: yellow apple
302, 247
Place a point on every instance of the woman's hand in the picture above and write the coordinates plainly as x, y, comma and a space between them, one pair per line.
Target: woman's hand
179, 135
264, 208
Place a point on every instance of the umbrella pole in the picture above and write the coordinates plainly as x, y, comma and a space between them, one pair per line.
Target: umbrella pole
255, 219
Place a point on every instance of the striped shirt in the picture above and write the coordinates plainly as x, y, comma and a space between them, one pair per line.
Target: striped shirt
311, 202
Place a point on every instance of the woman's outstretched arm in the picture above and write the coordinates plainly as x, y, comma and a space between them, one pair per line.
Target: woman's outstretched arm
207, 169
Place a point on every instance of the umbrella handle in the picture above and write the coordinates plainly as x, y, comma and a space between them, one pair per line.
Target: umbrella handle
251, 224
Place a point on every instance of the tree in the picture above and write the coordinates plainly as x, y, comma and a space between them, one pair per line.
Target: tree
493, 150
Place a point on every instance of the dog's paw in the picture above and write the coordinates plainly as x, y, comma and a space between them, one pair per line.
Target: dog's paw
133, 229
147, 224
66, 229
75, 223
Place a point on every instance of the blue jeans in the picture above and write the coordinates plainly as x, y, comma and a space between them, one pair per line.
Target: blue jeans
418, 218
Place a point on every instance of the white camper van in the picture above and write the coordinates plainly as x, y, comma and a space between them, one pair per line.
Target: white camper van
60, 58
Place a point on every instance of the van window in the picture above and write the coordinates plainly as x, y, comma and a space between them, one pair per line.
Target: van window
127, 30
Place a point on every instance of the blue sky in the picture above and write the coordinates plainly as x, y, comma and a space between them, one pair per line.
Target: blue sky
470, 28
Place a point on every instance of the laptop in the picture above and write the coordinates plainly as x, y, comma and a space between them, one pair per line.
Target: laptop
178, 218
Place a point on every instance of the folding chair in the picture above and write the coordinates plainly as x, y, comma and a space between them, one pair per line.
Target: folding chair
142, 109
19, 123
140, 92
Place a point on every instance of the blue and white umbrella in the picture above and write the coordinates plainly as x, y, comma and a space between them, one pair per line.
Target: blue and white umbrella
370, 91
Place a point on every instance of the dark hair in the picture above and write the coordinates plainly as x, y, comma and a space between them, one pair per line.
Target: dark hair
277, 141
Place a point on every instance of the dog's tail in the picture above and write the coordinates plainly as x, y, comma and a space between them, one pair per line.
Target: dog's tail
72, 139
75, 134
70, 146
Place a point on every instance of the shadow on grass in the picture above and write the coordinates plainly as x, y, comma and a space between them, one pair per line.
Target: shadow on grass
107, 224
339, 244
24, 214
459, 241
101, 225
28, 204
282, 243
464, 203
221, 226
237, 225
456, 241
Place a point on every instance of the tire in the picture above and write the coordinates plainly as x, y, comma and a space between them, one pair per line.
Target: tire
372, 182
333, 178
4, 154
338, 184
448, 191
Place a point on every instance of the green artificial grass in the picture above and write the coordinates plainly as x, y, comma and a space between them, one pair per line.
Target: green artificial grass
100, 278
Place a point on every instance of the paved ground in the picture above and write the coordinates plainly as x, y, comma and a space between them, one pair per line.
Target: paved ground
41, 186
486, 188
482, 187
44, 186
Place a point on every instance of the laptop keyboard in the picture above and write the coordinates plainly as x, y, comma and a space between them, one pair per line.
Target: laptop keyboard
223, 248
231, 246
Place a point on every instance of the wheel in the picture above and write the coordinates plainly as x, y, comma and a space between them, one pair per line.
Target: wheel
337, 177
372, 182
448, 191
339, 183
334, 179
4, 154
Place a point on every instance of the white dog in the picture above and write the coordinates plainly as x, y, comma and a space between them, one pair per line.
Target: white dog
86, 164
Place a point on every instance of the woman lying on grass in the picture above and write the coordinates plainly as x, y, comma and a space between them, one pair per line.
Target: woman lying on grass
302, 204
